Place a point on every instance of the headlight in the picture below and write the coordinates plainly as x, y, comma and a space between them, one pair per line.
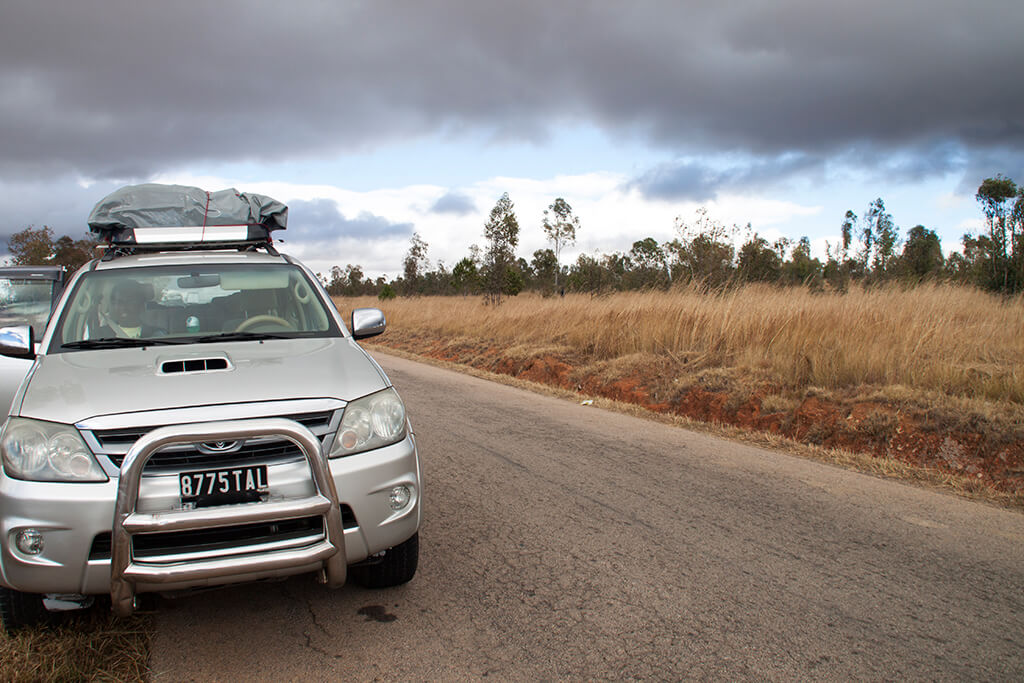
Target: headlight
47, 451
370, 422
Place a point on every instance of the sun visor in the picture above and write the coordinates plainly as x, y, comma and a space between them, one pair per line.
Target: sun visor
159, 214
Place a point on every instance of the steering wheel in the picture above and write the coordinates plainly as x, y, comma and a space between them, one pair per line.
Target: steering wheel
257, 319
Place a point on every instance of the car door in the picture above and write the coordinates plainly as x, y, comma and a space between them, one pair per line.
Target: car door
27, 297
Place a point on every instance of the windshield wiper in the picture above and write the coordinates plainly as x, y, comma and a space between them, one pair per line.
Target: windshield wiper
116, 343
242, 336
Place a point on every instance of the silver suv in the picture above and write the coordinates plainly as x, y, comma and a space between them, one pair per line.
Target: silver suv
197, 417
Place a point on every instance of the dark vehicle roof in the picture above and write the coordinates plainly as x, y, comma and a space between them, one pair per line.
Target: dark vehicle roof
33, 272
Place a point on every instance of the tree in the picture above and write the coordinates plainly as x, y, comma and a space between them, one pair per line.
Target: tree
336, 285
758, 262
867, 240
31, 246
886, 237
801, 268
849, 221
706, 249
354, 275
560, 226
72, 254
36, 247
973, 265
648, 265
922, 254
465, 278
595, 274
513, 282
1004, 224
502, 233
415, 264
348, 281
545, 270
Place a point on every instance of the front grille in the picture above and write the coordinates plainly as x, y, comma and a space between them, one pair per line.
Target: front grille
115, 443
114, 440
265, 452
224, 538
220, 538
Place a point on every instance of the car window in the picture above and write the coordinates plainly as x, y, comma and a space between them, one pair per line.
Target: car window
26, 302
188, 302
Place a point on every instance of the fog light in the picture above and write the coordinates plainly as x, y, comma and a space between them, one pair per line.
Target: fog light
400, 497
29, 541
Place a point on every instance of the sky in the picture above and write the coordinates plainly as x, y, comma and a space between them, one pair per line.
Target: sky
376, 120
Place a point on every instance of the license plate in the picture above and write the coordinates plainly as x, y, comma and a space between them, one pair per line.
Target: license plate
223, 487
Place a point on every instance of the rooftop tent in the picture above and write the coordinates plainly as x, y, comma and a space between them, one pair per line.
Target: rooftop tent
154, 213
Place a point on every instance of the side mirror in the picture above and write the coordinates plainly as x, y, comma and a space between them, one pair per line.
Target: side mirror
17, 342
367, 322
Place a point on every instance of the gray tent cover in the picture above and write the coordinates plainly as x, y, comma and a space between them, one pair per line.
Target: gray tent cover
117, 215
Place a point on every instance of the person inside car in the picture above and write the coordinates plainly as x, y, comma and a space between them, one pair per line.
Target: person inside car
124, 319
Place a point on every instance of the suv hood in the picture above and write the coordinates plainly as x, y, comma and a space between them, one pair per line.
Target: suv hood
71, 387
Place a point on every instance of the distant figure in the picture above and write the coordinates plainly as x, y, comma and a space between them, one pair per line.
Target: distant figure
127, 301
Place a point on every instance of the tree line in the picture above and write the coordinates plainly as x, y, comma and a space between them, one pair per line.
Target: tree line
870, 250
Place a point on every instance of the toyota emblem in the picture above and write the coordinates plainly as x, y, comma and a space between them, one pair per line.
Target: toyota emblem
213, 447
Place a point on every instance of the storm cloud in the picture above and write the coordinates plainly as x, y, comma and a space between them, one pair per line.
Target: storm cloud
699, 181
321, 221
119, 89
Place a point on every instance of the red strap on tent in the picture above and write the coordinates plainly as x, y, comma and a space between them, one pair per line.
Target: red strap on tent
206, 211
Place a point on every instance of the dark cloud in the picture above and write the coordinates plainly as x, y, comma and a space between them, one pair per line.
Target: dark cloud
679, 180
63, 205
699, 181
321, 221
454, 203
119, 89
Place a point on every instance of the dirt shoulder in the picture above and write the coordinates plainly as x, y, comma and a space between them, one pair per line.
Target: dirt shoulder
973, 450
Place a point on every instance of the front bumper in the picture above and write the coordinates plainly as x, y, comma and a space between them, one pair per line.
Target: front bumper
75, 518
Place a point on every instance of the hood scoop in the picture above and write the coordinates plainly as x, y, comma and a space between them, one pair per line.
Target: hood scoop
194, 365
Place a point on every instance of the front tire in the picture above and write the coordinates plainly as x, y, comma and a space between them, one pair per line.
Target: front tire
22, 610
397, 567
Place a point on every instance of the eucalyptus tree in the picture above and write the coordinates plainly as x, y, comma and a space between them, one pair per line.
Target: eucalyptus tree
1005, 228
415, 263
502, 233
560, 226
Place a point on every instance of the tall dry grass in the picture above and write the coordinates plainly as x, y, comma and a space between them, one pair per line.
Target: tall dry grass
950, 339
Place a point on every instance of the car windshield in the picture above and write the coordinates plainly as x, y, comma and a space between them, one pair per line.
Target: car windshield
26, 302
183, 304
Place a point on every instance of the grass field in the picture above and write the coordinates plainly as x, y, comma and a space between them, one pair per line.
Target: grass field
950, 340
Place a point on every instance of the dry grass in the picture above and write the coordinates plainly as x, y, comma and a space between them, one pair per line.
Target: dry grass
954, 341
92, 646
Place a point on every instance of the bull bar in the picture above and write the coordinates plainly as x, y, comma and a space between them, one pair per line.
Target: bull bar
125, 573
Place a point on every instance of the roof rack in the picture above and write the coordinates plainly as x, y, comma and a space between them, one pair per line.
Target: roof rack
116, 249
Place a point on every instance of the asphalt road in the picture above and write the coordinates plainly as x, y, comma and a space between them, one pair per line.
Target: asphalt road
566, 542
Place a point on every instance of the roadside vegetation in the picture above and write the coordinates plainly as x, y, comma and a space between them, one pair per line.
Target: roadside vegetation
956, 341
927, 375
868, 251
90, 646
